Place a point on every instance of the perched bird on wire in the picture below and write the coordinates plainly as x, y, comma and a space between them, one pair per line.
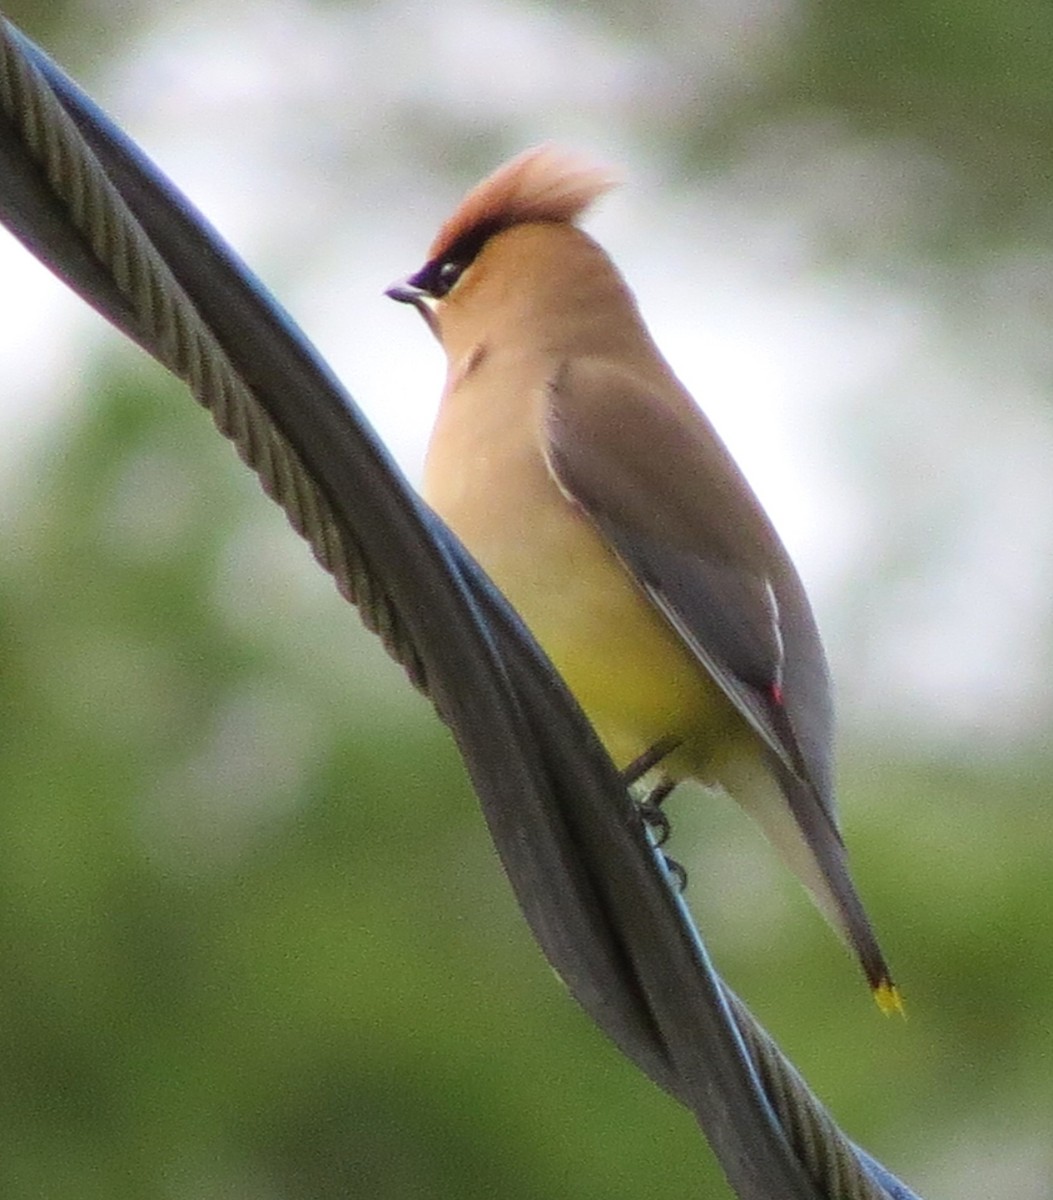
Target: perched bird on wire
579, 472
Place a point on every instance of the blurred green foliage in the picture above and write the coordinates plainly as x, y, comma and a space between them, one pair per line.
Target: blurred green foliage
244, 961
232, 967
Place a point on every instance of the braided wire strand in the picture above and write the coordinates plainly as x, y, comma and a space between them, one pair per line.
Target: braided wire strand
826, 1153
183, 342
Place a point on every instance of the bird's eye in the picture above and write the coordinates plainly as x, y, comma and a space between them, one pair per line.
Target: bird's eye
448, 274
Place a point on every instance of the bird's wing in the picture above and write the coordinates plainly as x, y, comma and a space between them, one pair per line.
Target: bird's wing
650, 472
654, 478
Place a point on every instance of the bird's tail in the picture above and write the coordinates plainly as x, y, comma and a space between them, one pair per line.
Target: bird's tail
797, 825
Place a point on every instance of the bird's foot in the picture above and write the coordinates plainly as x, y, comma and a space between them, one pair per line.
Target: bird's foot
677, 874
658, 827
649, 806
654, 816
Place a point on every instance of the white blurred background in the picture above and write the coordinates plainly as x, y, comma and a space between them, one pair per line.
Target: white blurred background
889, 406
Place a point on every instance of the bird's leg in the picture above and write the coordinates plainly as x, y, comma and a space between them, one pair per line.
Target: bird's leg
657, 822
650, 806
650, 759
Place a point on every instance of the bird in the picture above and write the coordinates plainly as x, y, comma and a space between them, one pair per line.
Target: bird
583, 477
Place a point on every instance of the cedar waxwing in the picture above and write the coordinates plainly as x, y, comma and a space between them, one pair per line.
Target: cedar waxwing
579, 472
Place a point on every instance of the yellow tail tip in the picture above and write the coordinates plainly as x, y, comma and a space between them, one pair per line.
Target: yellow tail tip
888, 999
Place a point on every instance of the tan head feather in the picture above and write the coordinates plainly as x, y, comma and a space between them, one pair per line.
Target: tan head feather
542, 184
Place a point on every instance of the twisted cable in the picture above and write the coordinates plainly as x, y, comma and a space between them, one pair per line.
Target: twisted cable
177, 336
167, 322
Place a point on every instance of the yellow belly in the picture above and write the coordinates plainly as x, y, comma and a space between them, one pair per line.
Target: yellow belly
627, 669
631, 674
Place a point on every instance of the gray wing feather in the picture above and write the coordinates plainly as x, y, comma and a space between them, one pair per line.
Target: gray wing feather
653, 476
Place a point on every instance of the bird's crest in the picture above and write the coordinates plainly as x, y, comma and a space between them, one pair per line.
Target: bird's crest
543, 184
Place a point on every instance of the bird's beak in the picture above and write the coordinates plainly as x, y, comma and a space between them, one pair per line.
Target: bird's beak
405, 291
